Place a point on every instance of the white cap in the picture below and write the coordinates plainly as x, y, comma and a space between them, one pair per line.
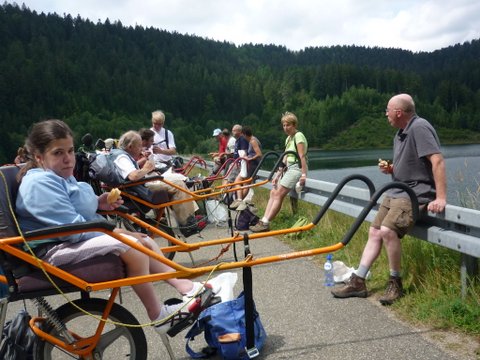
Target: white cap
217, 132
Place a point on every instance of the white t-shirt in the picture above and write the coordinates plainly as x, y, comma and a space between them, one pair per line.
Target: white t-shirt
159, 140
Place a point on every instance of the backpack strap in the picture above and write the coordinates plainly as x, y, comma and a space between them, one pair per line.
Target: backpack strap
197, 328
250, 347
166, 137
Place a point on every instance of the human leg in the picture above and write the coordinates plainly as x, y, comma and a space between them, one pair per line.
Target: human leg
355, 286
275, 202
137, 264
273, 207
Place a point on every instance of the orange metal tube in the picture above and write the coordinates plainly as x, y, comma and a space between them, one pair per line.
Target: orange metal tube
82, 346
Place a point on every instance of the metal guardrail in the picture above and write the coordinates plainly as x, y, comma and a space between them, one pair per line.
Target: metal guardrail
456, 228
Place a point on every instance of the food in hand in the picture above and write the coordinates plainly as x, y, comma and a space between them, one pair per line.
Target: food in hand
113, 196
383, 163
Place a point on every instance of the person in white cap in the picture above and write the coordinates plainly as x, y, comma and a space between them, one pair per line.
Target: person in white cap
219, 156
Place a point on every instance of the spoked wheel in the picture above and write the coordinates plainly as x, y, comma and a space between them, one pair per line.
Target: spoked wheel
116, 341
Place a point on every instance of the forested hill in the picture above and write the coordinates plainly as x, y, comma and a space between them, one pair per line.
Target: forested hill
106, 78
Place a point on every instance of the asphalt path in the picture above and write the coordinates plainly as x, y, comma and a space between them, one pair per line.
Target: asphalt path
301, 318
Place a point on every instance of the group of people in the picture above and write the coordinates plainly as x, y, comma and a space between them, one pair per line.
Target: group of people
49, 195
417, 162
248, 149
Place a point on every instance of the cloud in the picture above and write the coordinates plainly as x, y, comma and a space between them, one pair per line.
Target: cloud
409, 24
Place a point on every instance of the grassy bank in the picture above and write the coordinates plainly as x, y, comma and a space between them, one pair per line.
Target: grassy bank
431, 273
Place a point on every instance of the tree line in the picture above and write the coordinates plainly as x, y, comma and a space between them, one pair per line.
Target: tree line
106, 78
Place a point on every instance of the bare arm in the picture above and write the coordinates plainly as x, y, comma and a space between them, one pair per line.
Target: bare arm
303, 162
258, 151
440, 179
147, 168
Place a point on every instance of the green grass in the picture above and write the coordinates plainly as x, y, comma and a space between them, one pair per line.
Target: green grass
431, 274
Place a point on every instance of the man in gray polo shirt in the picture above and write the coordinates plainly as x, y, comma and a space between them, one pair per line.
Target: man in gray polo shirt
417, 162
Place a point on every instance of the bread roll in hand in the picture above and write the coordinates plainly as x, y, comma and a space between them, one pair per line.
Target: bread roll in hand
113, 196
383, 163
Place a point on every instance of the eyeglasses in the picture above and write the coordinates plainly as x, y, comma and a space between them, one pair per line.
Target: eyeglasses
387, 110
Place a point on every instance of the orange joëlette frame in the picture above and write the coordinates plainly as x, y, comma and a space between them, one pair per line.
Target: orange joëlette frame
196, 195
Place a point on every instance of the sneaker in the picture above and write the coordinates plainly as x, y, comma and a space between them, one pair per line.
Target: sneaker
260, 227
235, 204
193, 226
201, 221
178, 315
393, 292
197, 290
354, 287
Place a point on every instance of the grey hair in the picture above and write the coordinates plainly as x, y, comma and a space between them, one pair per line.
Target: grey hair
128, 138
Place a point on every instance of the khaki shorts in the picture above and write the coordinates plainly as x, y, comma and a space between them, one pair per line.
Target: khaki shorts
291, 177
395, 214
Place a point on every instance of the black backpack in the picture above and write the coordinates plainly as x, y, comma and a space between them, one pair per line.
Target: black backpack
103, 168
246, 218
18, 338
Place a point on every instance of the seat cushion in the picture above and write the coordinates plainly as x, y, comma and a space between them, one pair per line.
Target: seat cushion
98, 269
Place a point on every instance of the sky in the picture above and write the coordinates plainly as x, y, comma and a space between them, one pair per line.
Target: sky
407, 24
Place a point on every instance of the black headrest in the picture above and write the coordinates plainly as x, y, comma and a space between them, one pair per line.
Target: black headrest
8, 194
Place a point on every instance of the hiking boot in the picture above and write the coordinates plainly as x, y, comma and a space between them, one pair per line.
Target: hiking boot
354, 287
260, 227
393, 292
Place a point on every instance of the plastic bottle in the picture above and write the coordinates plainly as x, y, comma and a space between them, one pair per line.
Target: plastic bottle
328, 267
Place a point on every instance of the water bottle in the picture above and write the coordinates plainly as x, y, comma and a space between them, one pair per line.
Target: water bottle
328, 267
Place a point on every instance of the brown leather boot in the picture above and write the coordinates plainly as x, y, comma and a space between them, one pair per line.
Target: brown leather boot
354, 287
393, 292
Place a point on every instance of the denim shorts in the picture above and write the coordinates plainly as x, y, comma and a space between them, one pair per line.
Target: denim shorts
395, 214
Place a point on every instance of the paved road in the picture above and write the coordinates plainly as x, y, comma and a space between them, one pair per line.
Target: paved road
302, 319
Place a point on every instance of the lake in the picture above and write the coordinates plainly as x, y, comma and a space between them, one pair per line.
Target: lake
462, 165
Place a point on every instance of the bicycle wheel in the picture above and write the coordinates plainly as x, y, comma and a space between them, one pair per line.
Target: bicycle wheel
116, 342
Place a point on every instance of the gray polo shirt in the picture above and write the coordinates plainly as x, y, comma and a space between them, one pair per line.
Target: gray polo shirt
410, 165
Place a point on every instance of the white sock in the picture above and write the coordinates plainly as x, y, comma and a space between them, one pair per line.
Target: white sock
196, 287
265, 220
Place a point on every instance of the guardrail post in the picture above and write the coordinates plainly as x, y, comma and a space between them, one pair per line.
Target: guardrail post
468, 272
294, 204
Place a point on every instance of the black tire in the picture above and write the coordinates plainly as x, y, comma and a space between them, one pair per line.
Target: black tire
117, 342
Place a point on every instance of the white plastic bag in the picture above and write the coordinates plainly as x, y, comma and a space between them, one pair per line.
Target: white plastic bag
342, 272
216, 212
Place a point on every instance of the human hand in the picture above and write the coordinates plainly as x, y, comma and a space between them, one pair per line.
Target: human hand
105, 204
149, 165
437, 205
156, 149
302, 181
385, 166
